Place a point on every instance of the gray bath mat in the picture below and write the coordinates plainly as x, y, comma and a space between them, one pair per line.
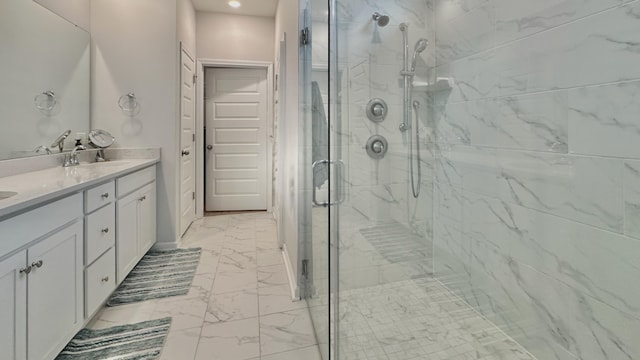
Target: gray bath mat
159, 274
141, 341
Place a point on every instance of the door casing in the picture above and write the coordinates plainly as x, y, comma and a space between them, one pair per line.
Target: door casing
201, 65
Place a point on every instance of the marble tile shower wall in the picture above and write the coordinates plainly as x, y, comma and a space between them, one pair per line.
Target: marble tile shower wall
378, 190
537, 170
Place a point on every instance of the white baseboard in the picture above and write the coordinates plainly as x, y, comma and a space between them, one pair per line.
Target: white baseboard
293, 284
165, 245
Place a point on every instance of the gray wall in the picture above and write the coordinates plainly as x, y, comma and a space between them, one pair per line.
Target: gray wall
235, 37
140, 53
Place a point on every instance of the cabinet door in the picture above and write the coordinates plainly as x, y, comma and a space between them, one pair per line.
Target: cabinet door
147, 216
13, 307
55, 292
127, 234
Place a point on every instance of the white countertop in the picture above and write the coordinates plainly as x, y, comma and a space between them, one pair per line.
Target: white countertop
40, 186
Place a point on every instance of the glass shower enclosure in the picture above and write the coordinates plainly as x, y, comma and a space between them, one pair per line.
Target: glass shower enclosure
472, 172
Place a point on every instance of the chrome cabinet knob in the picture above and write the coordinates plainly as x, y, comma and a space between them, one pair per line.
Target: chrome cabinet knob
105, 279
105, 230
25, 270
105, 195
37, 264
143, 198
209, 147
185, 152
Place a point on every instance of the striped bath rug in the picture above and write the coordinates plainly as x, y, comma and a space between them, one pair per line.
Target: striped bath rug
159, 274
141, 341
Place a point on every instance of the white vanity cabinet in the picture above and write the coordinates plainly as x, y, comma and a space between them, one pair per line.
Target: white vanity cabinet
62, 256
136, 218
41, 278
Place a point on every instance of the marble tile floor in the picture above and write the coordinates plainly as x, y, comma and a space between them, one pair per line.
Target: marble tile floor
239, 306
418, 319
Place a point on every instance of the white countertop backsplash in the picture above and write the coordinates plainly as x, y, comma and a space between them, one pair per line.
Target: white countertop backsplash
42, 178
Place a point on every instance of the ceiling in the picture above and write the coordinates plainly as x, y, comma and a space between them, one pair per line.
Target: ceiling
249, 7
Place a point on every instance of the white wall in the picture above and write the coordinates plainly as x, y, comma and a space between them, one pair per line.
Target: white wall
136, 48
187, 26
287, 22
235, 37
76, 11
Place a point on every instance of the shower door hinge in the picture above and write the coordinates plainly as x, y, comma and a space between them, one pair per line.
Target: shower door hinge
305, 269
304, 36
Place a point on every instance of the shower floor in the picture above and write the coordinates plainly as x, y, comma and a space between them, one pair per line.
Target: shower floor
404, 313
418, 319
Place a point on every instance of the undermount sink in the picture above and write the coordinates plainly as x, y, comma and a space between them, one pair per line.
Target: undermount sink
7, 194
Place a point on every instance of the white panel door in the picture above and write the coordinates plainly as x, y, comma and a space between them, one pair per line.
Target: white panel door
236, 121
13, 307
187, 142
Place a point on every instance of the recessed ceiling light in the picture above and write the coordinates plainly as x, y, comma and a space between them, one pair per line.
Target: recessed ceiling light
234, 4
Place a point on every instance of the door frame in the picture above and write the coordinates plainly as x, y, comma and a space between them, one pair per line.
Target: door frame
201, 66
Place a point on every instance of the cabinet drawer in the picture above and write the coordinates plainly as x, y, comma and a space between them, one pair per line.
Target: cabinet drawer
100, 281
99, 196
21, 229
131, 182
100, 233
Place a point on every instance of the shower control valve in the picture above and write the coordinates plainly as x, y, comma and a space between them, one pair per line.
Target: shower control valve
377, 147
377, 110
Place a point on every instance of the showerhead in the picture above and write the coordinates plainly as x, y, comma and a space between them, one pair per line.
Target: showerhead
421, 45
381, 20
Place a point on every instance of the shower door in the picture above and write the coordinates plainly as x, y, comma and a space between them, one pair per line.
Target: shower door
318, 168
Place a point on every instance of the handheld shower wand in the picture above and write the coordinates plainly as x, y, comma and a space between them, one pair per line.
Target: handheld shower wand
421, 45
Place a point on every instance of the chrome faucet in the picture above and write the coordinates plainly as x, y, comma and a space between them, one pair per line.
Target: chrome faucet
72, 159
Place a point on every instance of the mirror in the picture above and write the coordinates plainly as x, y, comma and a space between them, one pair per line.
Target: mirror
44, 79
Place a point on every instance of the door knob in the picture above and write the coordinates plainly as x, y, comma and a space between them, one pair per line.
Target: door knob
209, 147
185, 152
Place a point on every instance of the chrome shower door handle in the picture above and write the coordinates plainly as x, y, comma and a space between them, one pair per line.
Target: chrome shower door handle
339, 175
323, 162
341, 196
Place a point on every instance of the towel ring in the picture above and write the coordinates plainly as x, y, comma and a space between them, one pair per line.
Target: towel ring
45, 101
129, 104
